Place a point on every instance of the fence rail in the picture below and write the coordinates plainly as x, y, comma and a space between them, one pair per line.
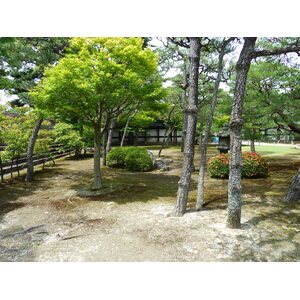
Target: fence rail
16, 165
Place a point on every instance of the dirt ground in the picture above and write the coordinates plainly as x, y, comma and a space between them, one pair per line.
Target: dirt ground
55, 218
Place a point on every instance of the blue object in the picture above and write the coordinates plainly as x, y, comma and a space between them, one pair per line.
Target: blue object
215, 139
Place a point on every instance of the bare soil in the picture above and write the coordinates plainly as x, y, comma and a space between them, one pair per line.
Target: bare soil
56, 218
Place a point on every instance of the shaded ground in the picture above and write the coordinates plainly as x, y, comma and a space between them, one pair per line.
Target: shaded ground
52, 220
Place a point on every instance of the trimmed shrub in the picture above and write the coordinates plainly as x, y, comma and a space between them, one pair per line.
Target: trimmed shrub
253, 165
137, 160
116, 157
218, 166
132, 158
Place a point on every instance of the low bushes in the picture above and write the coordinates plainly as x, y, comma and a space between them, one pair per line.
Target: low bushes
131, 158
253, 165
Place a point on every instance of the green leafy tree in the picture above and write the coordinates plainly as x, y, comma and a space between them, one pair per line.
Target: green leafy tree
15, 135
68, 138
22, 64
96, 79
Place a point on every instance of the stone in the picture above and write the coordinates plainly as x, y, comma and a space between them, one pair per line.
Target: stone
162, 164
150, 154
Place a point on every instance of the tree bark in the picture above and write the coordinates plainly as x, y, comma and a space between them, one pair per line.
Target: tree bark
252, 141
236, 124
126, 127
183, 99
168, 132
105, 136
97, 147
204, 142
191, 112
111, 128
293, 194
1, 169
167, 136
30, 149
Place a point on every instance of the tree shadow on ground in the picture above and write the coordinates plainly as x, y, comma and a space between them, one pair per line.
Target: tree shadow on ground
279, 227
133, 186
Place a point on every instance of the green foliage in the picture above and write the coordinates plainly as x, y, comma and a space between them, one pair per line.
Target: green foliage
42, 147
23, 61
218, 166
67, 137
138, 159
253, 166
221, 120
132, 158
116, 157
16, 132
110, 73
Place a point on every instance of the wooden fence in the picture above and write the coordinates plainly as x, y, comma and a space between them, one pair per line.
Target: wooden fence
16, 165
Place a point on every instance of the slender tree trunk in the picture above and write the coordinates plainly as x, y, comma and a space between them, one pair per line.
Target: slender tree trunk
105, 136
183, 99
135, 138
204, 142
11, 168
30, 166
111, 128
1, 170
126, 127
17, 163
236, 124
167, 136
293, 194
97, 148
252, 142
189, 143
200, 140
167, 133
252, 145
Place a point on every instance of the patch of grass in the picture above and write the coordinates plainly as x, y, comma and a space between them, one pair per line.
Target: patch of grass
274, 150
242, 236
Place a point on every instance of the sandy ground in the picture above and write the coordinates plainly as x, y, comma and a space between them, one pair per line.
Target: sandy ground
55, 218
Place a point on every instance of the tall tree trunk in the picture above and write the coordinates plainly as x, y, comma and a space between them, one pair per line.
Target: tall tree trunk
183, 99
11, 168
293, 194
252, 141
191, 111
204, 142
200, 140
252, 145
17, 164
97, 147
30, 149
167, 136
111, 128
135, 137
1, 170
105, 137
126, 127
236, 124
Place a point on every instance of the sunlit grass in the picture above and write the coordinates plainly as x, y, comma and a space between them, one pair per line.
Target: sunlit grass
271, 150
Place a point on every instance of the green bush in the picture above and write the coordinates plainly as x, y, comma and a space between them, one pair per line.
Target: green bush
132, 158
116, 157
138, 160
253, 166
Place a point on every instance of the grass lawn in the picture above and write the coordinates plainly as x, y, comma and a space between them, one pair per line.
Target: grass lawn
271, 150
